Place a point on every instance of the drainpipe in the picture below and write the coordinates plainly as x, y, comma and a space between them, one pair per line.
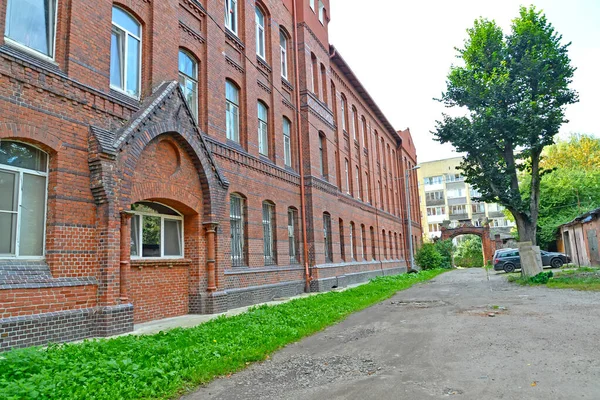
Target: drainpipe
300, 153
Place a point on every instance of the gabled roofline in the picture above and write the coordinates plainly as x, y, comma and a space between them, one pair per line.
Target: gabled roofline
339, 61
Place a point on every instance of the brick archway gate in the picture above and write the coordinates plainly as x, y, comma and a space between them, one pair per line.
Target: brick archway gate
467, 228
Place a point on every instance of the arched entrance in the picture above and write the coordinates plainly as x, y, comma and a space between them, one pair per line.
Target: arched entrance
467, 228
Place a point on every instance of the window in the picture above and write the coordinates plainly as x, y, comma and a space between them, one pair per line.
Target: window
458, 210
354, 124
156, 231
287, 142
321, 12
478, 208
236, 226
263, 129
268, 214
324, 82
32, 23
292, 235
433, 180
364, 133
437, 195
384, 242
260, 33
363, 242
284, 54
368, 187
188, 80
322, 154
474, 192
435, 228
458, 192
232, 111
125, 53
358, 185
344, 113
327, 243
454, 178
314, 74
396, 245
347, 177
436, 211
231, 15
312, 5
23, 175
390, 245
352, 242
372, 243
342, 246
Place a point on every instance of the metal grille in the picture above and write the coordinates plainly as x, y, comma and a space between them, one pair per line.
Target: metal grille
292, 238
236, 219
327, 237
269, 250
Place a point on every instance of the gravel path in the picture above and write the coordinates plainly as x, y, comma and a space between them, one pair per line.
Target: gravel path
459, 336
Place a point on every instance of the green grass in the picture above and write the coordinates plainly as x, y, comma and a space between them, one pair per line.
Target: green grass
583, 278
169, 363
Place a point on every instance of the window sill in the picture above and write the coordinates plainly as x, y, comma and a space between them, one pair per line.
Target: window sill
29, 51
160, 263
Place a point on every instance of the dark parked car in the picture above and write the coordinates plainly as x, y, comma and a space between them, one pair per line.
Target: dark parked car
508, 260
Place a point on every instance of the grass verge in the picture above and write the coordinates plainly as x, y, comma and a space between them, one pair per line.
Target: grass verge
584, 278
170, 363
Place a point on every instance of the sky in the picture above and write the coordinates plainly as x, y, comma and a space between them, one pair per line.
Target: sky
402, 52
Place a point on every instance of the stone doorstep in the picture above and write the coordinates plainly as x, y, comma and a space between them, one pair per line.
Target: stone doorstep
192, 320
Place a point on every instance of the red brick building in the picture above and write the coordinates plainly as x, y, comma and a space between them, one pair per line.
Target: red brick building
159, 158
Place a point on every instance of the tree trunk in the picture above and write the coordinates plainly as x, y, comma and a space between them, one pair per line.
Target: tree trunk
527, 230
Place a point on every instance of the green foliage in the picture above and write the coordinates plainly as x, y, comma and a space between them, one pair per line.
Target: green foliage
169, 363
446, 249
428, 257
567, 190
515, 88
542, 278
469, 253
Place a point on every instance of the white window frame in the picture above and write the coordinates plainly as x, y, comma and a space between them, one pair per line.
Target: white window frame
312, 5
269, 234
358, 185
354, 123
287, 142
23, 47
351, 234
347, 177
231, 16
162, 217
232, 131
194, 79
344, 106
321, 12
20, 172
260, 34
283, 43
263, 131
242, 245
125, 34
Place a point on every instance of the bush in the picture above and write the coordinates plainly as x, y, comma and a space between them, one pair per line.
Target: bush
469, 253
428, 257
541, 278
446, 249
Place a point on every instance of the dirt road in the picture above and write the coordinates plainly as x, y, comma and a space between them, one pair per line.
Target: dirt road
437, 341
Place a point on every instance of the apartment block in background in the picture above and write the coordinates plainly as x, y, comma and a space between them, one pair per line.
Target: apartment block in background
444, 195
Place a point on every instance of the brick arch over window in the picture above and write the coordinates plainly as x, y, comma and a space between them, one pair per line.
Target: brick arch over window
165, 112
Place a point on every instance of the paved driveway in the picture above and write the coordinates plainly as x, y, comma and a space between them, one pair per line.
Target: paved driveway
437, 341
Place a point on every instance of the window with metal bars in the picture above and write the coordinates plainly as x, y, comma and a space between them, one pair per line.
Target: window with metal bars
268, 235
342, 244
293, 236
236, 218
327, 237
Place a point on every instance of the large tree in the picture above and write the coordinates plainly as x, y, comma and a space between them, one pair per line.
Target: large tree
514, 90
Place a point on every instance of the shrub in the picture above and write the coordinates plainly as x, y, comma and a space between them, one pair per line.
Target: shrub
469, 253
541, 278
446, 249
428, 257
